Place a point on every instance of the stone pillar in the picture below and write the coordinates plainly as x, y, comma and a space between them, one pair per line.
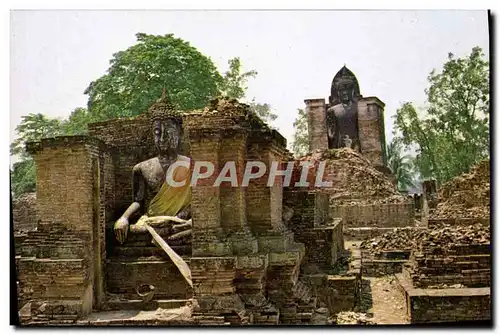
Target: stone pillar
371, 130
69, 256
264, 205
429, 190
205, 200
233, 197
428, 200
220, 231
316, 120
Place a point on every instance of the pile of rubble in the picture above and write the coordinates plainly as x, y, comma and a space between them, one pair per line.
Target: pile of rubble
24, 212
449, 236
351, 318
353, 176
232, 108
466, 196
418, 239
398, 239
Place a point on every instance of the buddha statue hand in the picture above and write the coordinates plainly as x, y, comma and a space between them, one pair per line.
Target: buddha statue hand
182, 234
179, 227
121, 229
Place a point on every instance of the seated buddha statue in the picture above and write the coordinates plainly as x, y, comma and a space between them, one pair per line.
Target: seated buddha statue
170, 204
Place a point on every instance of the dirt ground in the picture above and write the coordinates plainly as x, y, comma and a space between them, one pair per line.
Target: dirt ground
381, 301
384, 301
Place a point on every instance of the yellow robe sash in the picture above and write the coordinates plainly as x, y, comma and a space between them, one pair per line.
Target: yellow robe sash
170, 200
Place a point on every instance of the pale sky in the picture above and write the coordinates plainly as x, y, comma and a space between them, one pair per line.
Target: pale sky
56, 54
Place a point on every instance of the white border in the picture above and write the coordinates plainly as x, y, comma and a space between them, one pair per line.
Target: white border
192, 5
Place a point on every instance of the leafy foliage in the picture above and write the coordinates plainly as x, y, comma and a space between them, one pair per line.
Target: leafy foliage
234, 85
23, 177
400, 165
137, 76
300, 145
453, 134
77, 122
34, 127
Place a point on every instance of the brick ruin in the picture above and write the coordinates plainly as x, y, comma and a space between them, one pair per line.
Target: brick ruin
451, 283
247, 263
258, 255
443, 268
438, 286
370, 121
364, 191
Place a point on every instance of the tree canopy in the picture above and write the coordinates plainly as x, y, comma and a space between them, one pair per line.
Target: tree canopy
137, 76
452, 134
400, 165
234, 85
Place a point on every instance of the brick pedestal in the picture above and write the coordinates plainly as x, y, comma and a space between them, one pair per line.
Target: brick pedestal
61, 266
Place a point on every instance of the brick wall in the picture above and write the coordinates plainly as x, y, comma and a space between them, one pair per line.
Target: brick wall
340, 290
467, 306
375, 215
316, 121
445, 305
468, 265
438, 223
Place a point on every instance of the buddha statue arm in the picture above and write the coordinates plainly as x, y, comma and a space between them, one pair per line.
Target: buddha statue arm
185, 214
330, 123
122, 224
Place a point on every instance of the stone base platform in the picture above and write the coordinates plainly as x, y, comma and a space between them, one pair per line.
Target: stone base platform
445, 305
123, 276
383, 263
338, 288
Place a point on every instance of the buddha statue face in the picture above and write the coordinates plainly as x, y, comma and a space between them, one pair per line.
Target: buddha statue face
345, 93
167, 135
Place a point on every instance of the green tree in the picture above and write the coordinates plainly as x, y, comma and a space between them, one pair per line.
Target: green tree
400, 165
34, 127
234, 85
300, 145
137, 76
77, 122
23, 177
453, 133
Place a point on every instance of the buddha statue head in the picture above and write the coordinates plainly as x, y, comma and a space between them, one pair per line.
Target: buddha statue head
166, 124
345, 87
